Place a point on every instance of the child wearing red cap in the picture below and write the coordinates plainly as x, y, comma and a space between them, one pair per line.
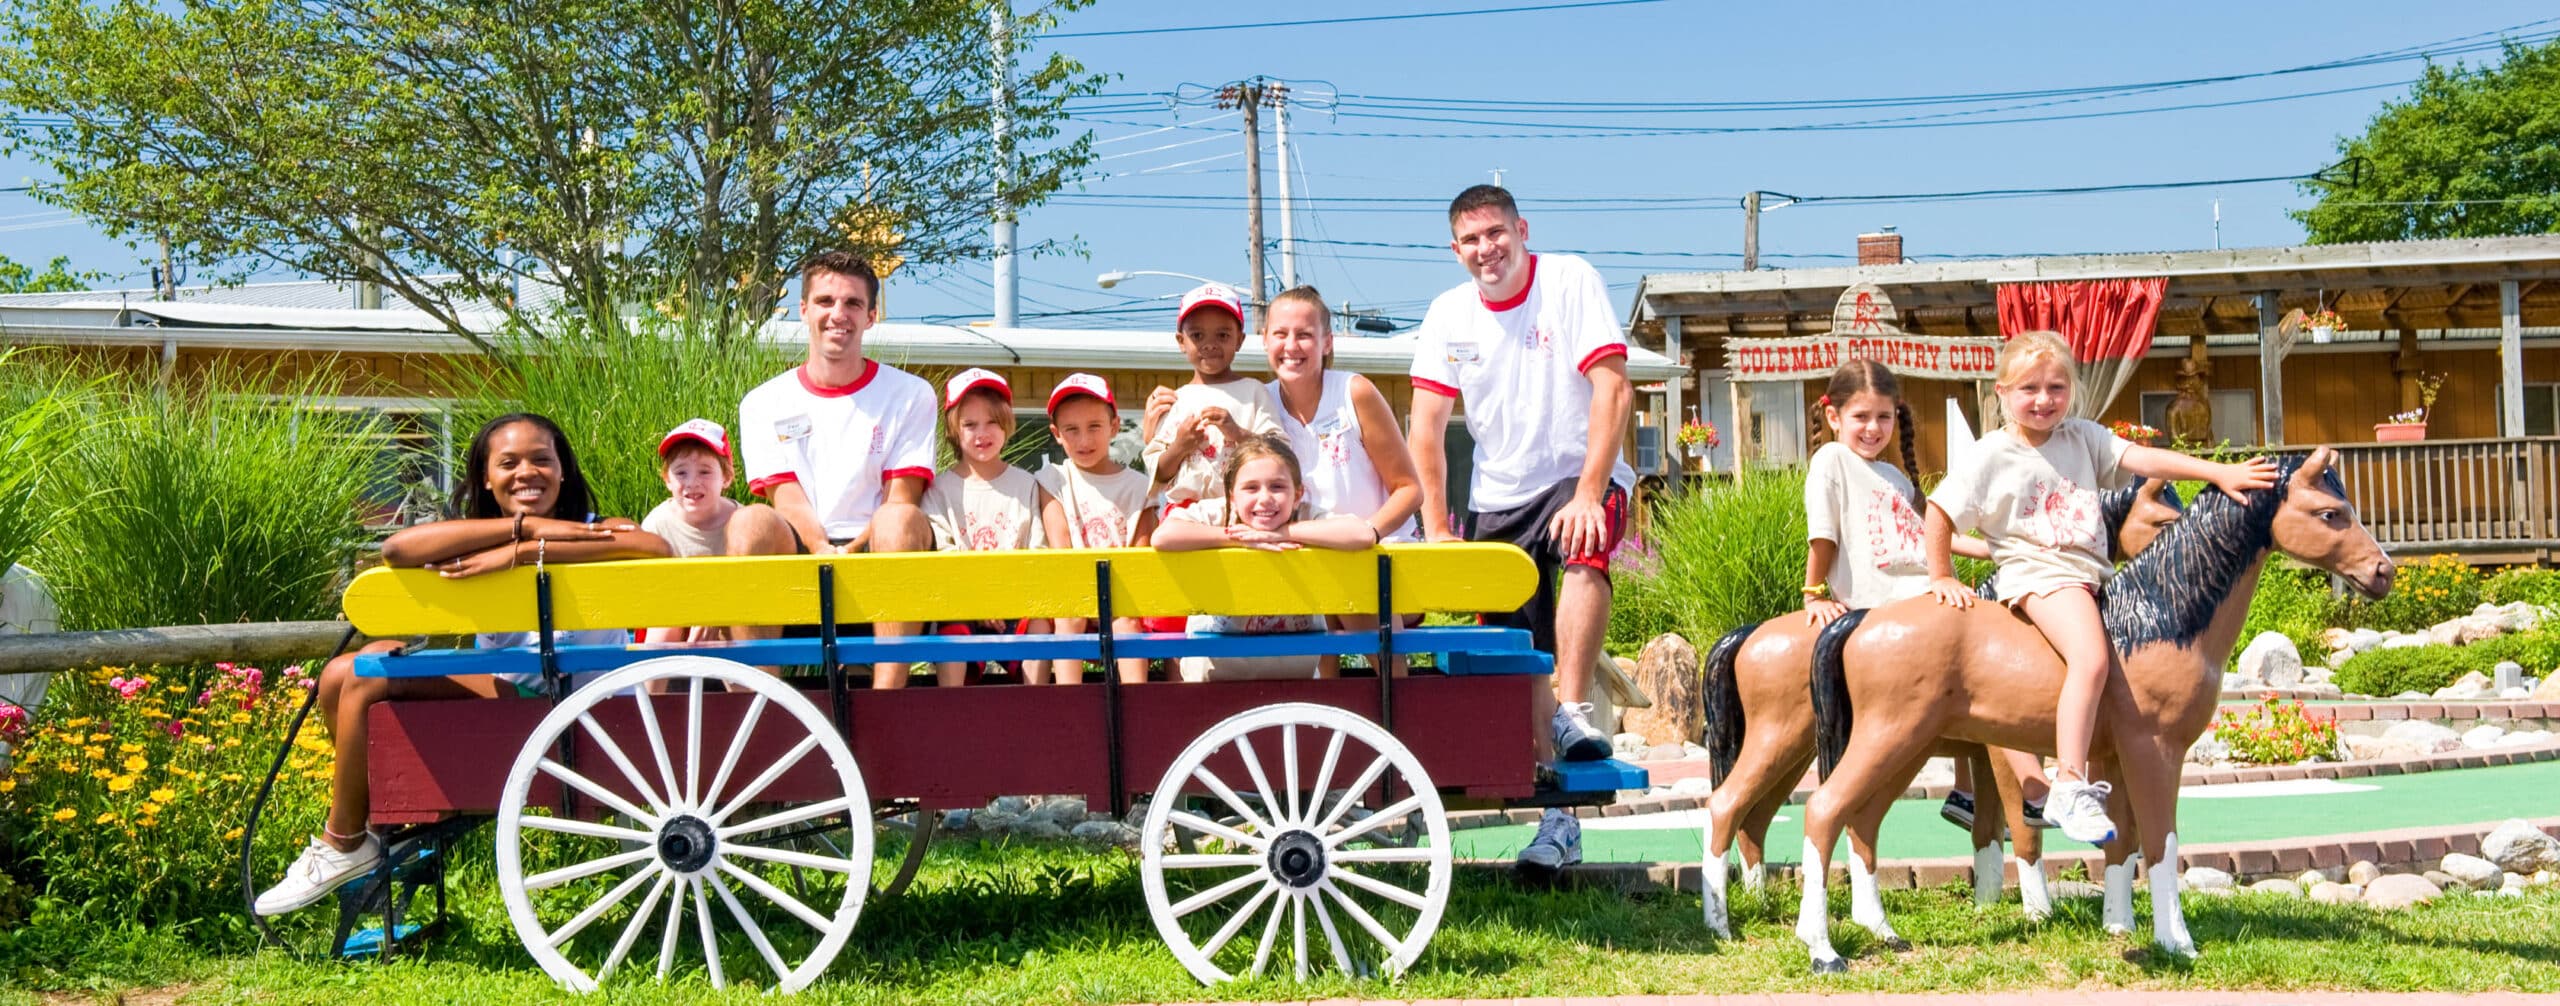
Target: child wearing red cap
1217, 408
1102, 503
693, 459
981, 503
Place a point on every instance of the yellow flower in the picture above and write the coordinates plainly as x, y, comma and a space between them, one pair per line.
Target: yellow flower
136, 763
231, 836
6, 785
101, 738
163, 795
149, 809
75, 724
129, 748
65, 814
93, 752
104, 773
239, 717
120, 784
148, 822
231, 777
231, 742
108, 817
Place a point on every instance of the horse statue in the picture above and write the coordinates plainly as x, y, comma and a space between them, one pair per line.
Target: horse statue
1918, 671
1760, 729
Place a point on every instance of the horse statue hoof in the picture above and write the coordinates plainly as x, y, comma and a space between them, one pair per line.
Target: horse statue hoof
1830, 966
1897, 944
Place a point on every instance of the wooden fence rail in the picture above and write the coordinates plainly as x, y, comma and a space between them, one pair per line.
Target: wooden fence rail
2467, 496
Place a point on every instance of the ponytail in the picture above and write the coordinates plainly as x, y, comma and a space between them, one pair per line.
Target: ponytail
1910, 447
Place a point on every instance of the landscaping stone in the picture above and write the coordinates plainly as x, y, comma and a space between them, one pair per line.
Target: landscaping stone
2361, 640
1625, 745
1938, 772
2514, 882
2445, 633
2399, 891
2335, 894
2309, 879
2339, 657
2548, 690
1063, 811
2483, 736
2271, 658
2336, 639
2512, 694
2278, 885
2473, 685
2476, 629
1106, 832
2077, 889
2403, 640
2428, 736
1663, 752
1696, 785
2507, 674
2471, 871
2517, 847
2205, 878
2362, 873
2233, 681
1667, 672
2440, 879
2209, 750
2318, 675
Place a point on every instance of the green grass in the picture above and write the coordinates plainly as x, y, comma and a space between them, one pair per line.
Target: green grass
996, 924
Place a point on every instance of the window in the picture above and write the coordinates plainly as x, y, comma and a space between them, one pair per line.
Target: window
2235, 413
413, 443
2541, 410
1648, 447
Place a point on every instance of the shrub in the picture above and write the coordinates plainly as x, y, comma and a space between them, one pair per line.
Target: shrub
2425, 592
1708, 561
2537, 652
615, 395
2523, 583
198, 505
2295, 602
126, 794
2388, 672
2277, 733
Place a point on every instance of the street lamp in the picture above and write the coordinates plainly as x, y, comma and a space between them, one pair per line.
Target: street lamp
1116, 277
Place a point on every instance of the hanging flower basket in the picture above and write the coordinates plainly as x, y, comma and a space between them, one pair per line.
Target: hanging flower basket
2324, 325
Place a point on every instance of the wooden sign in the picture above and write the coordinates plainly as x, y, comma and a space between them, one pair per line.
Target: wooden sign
1864, 327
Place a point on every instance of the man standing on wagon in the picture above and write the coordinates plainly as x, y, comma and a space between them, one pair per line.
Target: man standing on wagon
1533, 349
841, 447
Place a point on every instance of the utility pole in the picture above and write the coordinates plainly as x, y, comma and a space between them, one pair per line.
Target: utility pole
1288, 249
1497, 177
1008, 282
167, 286
1247, 96
1751, 230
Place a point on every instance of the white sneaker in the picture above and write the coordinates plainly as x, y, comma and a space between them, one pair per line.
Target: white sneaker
319, 870
1575, 739
2080, 810
1558, 845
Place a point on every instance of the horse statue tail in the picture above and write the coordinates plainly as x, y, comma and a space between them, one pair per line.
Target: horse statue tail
1831, 714
1722, 695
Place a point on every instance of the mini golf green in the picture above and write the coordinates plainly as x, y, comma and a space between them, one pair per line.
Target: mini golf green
1913, 830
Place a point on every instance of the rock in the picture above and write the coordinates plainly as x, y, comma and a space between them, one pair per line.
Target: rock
2337, 639
2511, 892
1035, 827
2548, 690
2361, 640
1063, 811
2411, 694
2335, 894
1938, 772
1696, 785
1664, 752
2402, 641
2507, 674
2445, 633
2544, 878
1106, 832
2278, 885
2318, 676
2525, 737
2469, 686
2322, 689
2477, 628
2209, 750
2439, 878
1012, 805
2271, 658
2205, 878
2518, 847
2514, 882
2429, 737
2363, 872
1627, 744
2077, 889
2483, 736
2399, 891
2237, 682
2310, 878
1666, 671
2514, 616
2339, 657
2512, 694
2471, 871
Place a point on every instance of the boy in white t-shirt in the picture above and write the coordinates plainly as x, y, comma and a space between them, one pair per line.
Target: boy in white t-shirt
1101, 503
693, 459
1217, 408
841, 445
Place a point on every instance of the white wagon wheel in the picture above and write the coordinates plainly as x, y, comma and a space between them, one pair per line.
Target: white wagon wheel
1313, 846
694, 843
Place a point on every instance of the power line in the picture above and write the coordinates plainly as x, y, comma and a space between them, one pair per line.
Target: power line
1368, 19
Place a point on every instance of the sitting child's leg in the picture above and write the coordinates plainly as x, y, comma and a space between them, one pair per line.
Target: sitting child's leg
2069, 619
1133, 670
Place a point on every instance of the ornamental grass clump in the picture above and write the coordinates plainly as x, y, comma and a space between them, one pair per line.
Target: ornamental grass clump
227, 496
2277, 733
1725, 556
124, 799
38, 413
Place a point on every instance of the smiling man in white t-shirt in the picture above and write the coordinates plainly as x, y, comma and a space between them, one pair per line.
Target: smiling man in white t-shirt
1533, 349
841, 447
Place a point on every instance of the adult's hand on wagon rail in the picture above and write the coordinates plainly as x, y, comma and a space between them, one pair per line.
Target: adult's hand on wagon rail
487, 560
555, 529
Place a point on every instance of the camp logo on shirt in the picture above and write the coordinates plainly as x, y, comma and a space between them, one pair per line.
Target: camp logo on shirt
2059, 514
1537, 340
1893, 528
986, 530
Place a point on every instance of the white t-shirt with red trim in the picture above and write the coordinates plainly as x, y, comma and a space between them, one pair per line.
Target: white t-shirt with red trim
842, 445
1517, 368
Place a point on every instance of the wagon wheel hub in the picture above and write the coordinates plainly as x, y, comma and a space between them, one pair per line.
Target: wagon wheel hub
1297, 858
686, 844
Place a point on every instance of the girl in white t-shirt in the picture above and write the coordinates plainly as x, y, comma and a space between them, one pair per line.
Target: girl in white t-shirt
983, 504
1264, 507
1863, 528
2031, 487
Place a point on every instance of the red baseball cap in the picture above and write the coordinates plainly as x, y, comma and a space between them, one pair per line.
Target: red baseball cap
703, 431
973, 379
1081, 384
1217, 295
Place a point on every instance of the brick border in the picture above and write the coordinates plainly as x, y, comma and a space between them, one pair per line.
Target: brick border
2405, 849
2196, 775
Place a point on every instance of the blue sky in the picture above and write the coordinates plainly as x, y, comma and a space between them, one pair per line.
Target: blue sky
1169, 198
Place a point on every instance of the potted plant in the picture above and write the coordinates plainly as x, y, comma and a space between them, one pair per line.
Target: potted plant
2412, 424
2324, 324
2136, 432
1698, 437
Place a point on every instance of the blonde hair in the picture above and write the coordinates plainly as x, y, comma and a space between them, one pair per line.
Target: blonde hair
1262, 445
2027, 349
1305, 295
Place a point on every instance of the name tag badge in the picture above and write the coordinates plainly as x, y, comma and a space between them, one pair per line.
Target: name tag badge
793, 428
1463, 352
1331, 427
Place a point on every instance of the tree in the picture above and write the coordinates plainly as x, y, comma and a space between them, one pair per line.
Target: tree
56, 277
689, 154
2469, 153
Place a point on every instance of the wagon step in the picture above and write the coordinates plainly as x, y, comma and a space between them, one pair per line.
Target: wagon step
1580, 782
368, 942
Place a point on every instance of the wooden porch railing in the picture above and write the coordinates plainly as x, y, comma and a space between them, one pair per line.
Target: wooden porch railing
2457, 495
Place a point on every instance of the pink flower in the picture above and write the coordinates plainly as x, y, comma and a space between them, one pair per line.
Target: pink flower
128, 687
13, 719
223, 666
294, 671
177, 729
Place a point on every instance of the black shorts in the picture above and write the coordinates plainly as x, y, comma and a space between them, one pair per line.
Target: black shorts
1526, 526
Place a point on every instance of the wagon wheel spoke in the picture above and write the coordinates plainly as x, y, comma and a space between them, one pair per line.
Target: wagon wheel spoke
596, 792
774, 894
771, 774
789, 857
1253, 770
1298, 911
570, 929
1393, 813
737, 746
639, 920
1234, 803
755, 933
1205, 826
1324, 772
710, 936
589, 829
1235, 923
1289, 770
608, 864
769, 822
1367, 922
1219, 893
630, 773
1332, 936
1351, 795
674, 933
1270, 934
658, 746
1391, 892
693, 741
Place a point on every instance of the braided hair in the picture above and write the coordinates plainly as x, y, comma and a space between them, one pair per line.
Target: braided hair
1858, 377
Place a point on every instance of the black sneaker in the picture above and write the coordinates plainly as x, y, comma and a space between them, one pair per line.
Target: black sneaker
1958, 810
2035, 815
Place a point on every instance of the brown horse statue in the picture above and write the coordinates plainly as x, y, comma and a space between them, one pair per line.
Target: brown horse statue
1918, 671
1760, 736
